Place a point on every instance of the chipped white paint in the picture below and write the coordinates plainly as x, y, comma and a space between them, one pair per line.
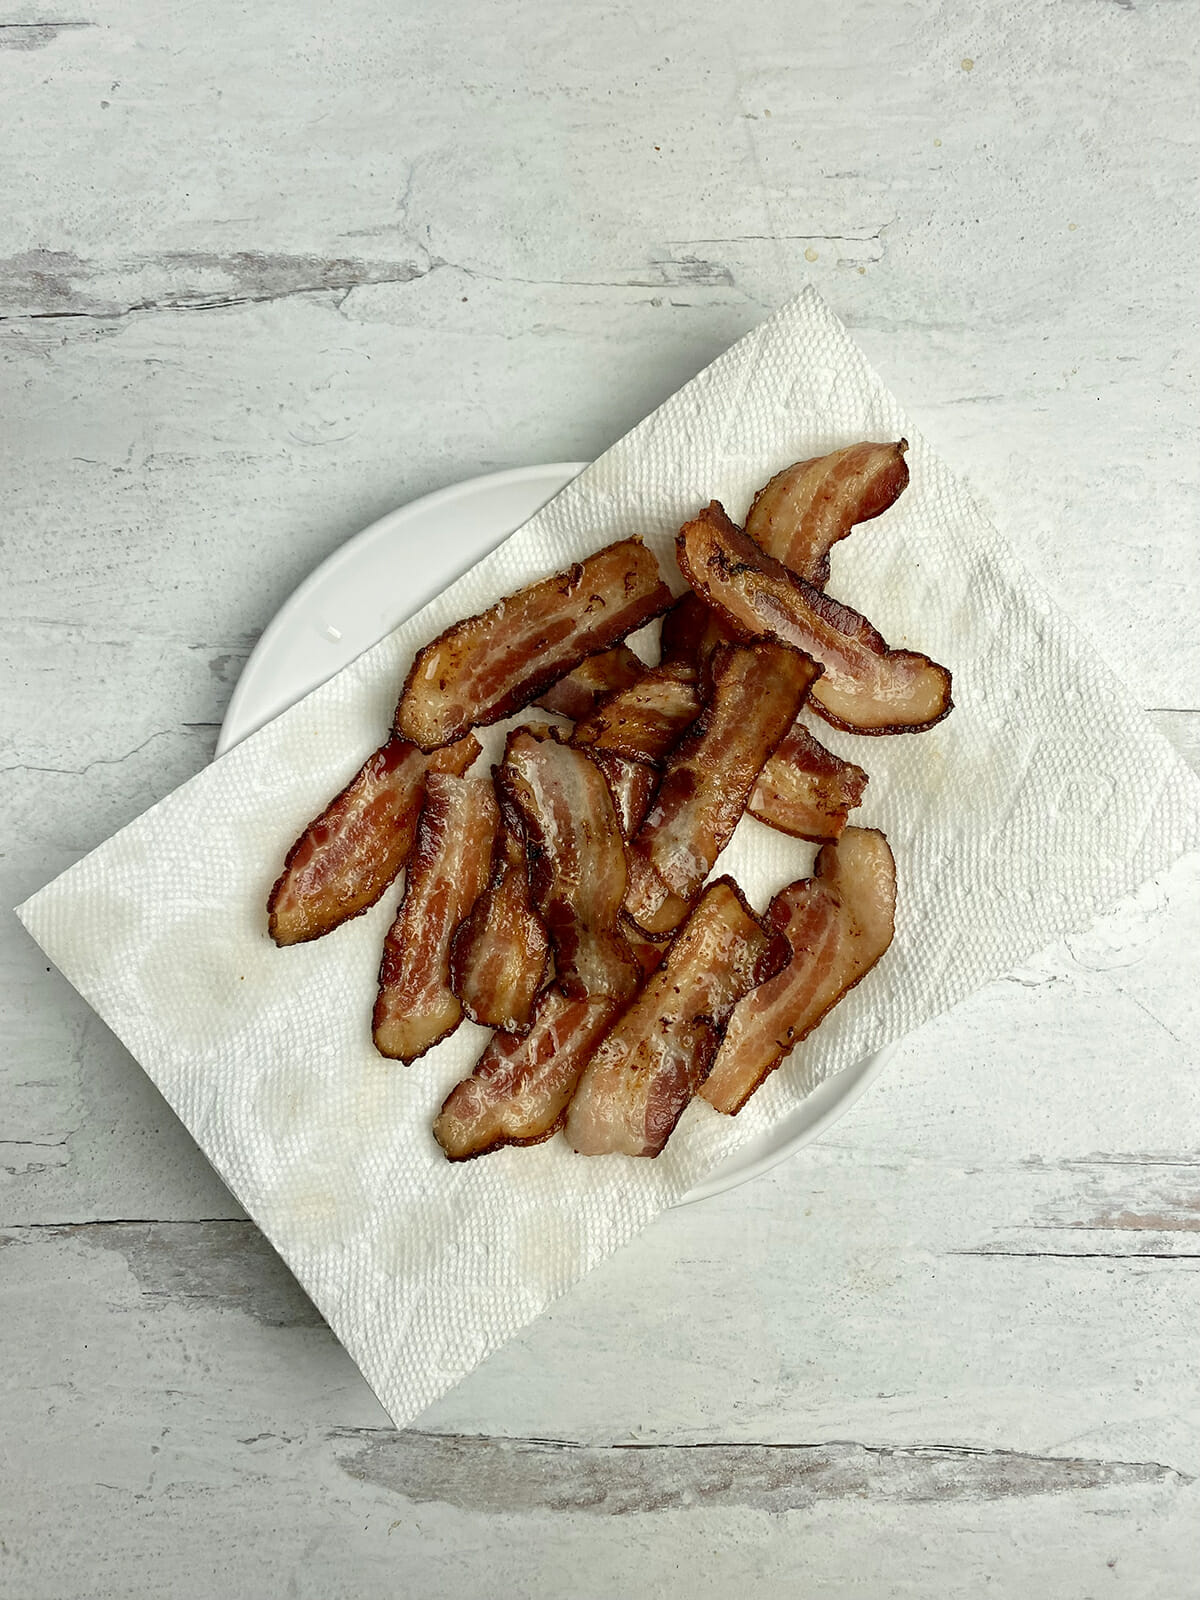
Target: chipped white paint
262, 277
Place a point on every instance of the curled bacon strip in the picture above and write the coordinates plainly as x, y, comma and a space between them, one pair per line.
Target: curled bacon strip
866, 687
809, 506
757, 691
645, 720
499, 954
806, 790
838, 924
632, 784
656, 1055
346, 857
520, 1088
576, 861
577, 694
416, 1007
489, 665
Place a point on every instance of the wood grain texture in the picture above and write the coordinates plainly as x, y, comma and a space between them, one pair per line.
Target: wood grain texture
183, 1433
265, 275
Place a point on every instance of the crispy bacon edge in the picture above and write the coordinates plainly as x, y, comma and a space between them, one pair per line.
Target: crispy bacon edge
805, 509
577, 694
446, 874
839, 923
501, 951
576, 855
489, 665
805, 790
520, 1088
656, 1055
359, 842
757, 691
756, 593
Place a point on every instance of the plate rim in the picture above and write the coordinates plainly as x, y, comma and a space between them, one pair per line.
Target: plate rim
863, 1073
855, 1079
561, 471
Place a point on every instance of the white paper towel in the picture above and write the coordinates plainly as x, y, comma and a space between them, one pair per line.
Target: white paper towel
1042, 799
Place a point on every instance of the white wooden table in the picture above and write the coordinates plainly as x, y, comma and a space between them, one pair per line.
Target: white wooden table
266, 272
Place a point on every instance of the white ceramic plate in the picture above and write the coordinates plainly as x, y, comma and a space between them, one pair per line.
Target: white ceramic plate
367, 588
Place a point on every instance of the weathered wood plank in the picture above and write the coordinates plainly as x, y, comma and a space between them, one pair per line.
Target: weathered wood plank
176, 1421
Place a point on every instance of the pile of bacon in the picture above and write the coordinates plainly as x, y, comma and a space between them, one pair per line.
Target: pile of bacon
563, 900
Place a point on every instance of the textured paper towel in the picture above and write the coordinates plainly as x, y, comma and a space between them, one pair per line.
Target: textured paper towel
1043, 798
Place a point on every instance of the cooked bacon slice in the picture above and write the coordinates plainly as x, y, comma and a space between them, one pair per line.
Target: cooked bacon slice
632, 784
650, 953
576, 695
346, 857
492, 664
806, 790
866, 687
838, 924
576, 861
691, 632
520, 1088
809, 506
499, 954
757, 691
416, 1006
803, 790
657, 1053
645, 720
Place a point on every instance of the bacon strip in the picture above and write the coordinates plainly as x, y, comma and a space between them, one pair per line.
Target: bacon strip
757, 691
492, 664
691, 632
838, 924
498, 956
576, 861
809, 506
346, 857
650, 953
650, 1064
866, 687
806, 790
577, 694
645, 720
632, 784
520, 1088
416, 1006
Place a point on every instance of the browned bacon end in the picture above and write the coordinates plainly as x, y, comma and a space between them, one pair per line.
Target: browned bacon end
415, 1006
519, 1090
806, 790
866, 687
757, 691
499, 955
576, 861
492, 664
838, 923
646, 1069
805, 509
577, 694
346, 857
